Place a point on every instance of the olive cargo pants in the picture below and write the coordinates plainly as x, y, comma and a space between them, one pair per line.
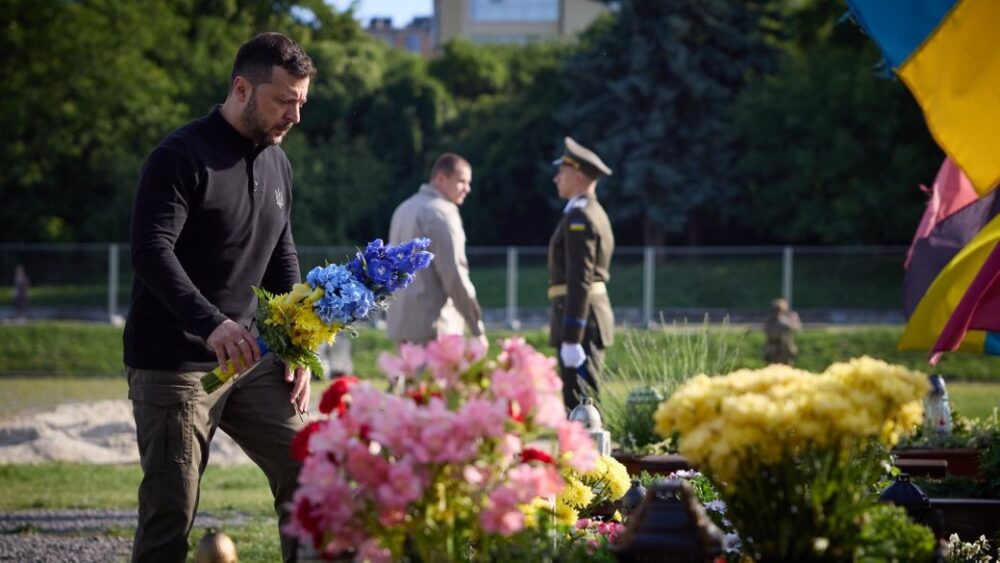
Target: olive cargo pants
175, 422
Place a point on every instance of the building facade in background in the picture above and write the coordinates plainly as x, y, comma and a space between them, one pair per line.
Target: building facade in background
416, 37
512, 21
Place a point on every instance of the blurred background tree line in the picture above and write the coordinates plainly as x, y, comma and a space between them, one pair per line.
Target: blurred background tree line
726, 121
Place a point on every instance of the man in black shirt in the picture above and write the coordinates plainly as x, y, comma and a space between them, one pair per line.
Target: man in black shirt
210, 220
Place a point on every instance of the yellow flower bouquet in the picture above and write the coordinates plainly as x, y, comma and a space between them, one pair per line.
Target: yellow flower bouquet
294, 325
794, 454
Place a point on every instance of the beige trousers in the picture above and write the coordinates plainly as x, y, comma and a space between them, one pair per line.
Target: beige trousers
175, 422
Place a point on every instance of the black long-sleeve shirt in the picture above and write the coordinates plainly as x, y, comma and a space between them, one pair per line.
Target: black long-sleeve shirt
211, 219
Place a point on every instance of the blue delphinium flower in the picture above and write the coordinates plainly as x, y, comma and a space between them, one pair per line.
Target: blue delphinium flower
388, 268
375, 249
368, 278
404, 255
380, 271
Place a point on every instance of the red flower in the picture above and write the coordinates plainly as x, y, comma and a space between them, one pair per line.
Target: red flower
300, 443
305, 515
336, 395
532, 454
419, 395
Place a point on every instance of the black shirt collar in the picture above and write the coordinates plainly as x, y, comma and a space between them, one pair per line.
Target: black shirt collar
233, 138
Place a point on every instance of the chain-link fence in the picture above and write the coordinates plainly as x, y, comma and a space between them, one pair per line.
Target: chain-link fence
648, 284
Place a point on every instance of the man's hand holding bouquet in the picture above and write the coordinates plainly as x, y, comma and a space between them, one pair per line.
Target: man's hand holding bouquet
294, 325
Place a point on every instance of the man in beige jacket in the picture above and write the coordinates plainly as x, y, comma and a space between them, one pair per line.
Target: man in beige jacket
442, 299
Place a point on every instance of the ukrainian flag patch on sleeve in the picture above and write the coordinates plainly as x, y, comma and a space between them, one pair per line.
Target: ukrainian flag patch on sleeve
578, 225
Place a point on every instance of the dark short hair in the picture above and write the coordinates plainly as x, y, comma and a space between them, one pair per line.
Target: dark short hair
447, 163
257, 58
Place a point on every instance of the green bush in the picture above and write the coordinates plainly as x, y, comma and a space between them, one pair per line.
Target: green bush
888, 534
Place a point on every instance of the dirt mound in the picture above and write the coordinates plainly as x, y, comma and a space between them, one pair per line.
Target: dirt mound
100, 433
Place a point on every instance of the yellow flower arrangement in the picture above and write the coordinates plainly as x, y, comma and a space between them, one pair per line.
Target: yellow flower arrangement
584, 494
780, 411
794, 454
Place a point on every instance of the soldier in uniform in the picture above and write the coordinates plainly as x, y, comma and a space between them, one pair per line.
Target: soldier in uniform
581, 323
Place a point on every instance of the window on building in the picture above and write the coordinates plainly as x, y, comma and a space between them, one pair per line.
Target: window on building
515, 10
413, 42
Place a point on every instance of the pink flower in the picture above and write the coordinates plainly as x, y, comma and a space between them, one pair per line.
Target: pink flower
368, 473
318, 471
406, 365
550, 412
475, 475
364, 467
403, 486
575, 441
372, 551
510, 446
440, 436
483, 418
501, 515
451, 355
532, 481
316, 510
329, 440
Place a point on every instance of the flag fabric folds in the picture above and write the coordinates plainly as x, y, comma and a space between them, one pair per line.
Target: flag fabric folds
961, 308
948, 54
954, 215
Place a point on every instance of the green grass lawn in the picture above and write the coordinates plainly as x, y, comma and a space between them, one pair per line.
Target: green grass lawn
720, 281
242, 489
95, 349
823, 278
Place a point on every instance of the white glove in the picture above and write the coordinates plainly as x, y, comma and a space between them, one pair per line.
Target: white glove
572, 355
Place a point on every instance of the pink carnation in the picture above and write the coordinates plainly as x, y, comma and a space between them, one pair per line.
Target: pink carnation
407, 365
373, 552
366, 468
501, 515
451, 355
483, 418
403, 486
574, 440
532, 481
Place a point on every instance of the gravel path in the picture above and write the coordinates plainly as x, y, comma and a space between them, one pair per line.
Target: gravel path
81, 535
99, 433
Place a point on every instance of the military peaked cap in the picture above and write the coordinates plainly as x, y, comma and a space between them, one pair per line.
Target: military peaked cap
583, 159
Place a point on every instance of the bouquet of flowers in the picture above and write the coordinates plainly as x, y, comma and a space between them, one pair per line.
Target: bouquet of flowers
794, 455
450, 469
294, 325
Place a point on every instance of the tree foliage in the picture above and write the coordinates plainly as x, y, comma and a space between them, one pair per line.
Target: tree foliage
726, 121
831, 151
651, 95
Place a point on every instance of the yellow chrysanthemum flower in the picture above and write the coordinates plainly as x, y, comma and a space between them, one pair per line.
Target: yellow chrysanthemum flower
780, 412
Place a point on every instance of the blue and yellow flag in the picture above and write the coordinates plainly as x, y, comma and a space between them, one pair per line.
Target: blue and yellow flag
948, 54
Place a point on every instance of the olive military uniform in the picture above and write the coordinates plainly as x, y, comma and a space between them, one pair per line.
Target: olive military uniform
579, 260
